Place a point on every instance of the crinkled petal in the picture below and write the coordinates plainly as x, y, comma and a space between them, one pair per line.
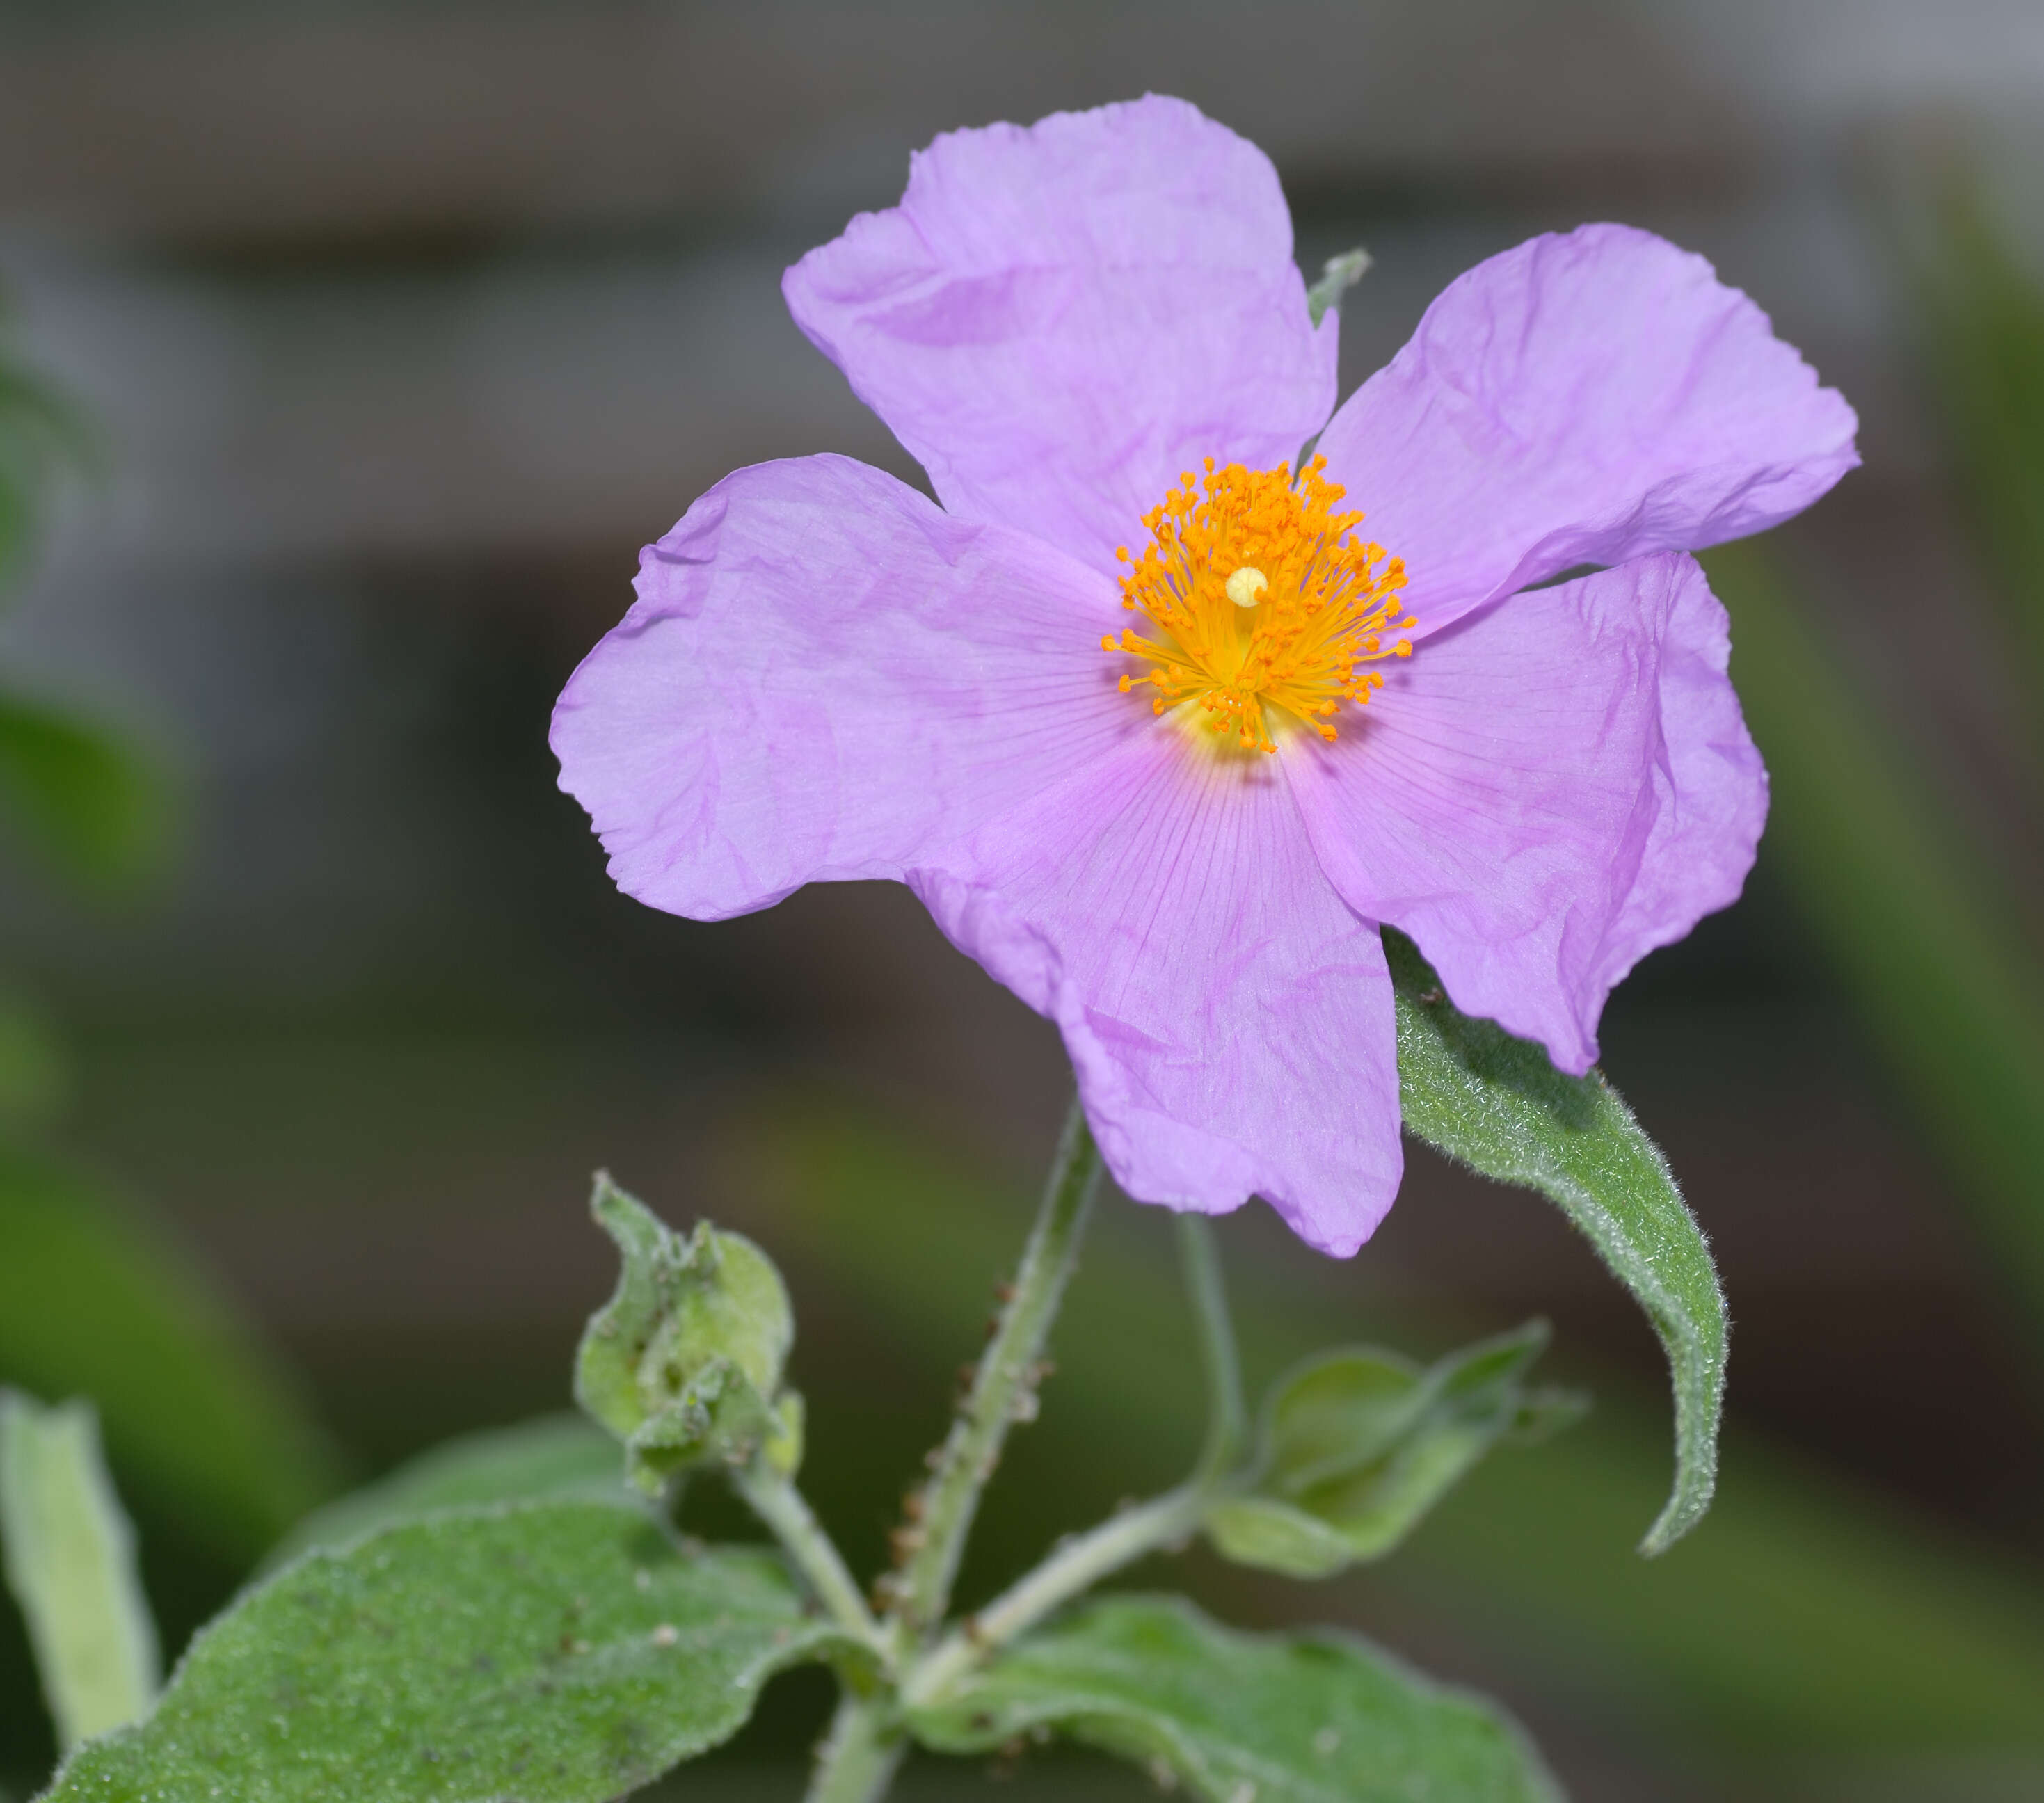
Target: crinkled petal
1058, 320
1583, 399
1230, 1020
1548, 790
824, 676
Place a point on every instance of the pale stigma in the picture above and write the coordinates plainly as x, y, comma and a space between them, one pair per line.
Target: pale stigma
1246, 585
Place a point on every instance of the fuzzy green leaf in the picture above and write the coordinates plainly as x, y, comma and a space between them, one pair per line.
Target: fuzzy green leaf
683, 1363
1274, 1536
1497, 1104
553, 1652
551, 1458
1318, 1717
1359, 1444
70, 1562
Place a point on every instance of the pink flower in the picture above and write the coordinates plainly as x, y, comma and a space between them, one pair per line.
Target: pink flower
1180, 848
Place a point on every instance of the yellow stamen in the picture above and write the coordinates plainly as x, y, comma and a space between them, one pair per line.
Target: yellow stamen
1262, 600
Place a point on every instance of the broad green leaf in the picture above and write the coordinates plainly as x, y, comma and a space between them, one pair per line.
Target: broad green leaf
683, 1363
553, 1457
70, 1562
82, 797
1337, 276
552, 1652
1359, 1444
1309, 1718
96, 1299
1498, 1105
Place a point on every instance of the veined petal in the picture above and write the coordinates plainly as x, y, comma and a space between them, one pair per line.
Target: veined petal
1057, 320
1551, 788
823, 676
1230, 1020
1583, 399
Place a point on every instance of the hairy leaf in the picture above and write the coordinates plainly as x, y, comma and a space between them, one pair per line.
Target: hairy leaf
96, 1299
1359, 1444
552, 1457
553, 1652
1318, 1717
70, 1562
1497, 1104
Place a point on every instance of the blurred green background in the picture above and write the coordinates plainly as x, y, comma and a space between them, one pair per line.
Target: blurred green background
353, 349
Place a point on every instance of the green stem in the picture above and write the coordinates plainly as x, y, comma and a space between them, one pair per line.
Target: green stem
859, 1756
1227, 1418
1005, 1381
1075, 1567
783, 1508
1080, 1563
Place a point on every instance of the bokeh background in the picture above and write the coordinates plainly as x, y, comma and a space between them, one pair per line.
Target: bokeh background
352, 351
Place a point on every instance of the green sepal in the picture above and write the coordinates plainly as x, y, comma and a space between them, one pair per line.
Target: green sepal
683, 1363
1359, 1444
1317, 1717
1497, 1104
553, 1652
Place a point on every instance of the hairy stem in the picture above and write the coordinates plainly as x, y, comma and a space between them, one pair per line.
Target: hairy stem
1075, 1567
859, 1756
1003, 1384
782, 1507
1081, 1562
1227, 1419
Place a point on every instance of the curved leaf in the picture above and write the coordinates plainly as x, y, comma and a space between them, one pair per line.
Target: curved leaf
1318, 1718
1498, 1105
555, 1653
1359, 1444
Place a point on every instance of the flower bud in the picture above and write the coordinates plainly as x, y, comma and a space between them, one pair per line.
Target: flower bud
683, 1363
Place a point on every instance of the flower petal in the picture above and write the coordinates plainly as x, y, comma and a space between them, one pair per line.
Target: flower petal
1550, 790
1057, 322
1230, 1020
1582, 399
824, 676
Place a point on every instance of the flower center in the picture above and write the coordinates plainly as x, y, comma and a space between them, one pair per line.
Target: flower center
1262, 600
